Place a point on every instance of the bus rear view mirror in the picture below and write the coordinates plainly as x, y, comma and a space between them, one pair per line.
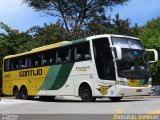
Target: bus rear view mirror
151, 55
117, 52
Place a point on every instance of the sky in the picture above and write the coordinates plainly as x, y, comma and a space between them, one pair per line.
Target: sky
17, 15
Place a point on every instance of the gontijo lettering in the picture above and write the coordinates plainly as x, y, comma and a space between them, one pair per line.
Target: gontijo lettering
30, 73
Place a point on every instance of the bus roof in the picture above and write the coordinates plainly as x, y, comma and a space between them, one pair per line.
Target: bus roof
65, 43
110, 35
47, 47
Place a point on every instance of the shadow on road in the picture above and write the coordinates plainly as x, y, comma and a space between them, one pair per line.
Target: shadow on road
103, 100
97, 101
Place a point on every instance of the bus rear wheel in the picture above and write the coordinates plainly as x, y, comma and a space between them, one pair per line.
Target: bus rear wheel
16, 93
24, 93
86, 94
115, 99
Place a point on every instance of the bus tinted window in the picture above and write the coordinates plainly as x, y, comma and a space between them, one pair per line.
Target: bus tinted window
14, 64
23, 62
6, 65
83, 51
72, 53
48, 57
35, 60
63, 55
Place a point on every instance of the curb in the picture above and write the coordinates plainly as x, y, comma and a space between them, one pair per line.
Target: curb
134, 97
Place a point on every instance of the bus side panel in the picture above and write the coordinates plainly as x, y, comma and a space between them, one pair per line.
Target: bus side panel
32, 79
36, 81
83, 73
7, 87
59, 80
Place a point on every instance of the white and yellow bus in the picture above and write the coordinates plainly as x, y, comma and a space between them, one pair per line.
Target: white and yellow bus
99, 66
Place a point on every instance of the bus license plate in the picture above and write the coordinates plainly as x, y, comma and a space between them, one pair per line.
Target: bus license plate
139, 90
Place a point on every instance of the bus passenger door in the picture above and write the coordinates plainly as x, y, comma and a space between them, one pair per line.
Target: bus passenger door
104, 60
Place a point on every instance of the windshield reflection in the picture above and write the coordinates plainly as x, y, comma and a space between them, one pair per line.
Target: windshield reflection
133, 64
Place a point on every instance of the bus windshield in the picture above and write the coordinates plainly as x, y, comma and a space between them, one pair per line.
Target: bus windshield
134, 64
127, 43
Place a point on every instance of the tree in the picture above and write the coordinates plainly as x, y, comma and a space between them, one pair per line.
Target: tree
122, 27
11, 41
73, 13
151, 34
99, 24
48, 34
150, 37
106, 25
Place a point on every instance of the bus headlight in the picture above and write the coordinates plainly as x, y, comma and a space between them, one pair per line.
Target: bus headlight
122, 83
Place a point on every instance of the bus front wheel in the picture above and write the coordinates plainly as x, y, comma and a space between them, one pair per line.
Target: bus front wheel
86, 94
24, 93
115, 99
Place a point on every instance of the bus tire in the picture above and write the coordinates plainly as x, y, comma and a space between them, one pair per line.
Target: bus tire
115, 99
86, 94
24, 93
16, 93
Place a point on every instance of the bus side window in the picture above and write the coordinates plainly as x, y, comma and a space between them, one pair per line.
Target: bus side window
48, 57
7, 65
59, 60
63, 55
83, 52
87, 56
23, 62
35, 60
12, 67
51, 61
15, 64
36, 63
44, 62
79, 57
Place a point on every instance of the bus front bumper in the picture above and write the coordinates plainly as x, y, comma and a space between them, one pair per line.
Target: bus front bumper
131, 91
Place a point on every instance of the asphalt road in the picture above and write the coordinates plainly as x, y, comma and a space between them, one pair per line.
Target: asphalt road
70, 108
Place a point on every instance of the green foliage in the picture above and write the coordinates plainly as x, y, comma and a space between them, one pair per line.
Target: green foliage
150, 37
122, 27
12, 41
48, 34
106, 25
151, 34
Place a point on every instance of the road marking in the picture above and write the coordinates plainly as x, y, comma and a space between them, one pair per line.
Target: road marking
119, 110
155, 112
